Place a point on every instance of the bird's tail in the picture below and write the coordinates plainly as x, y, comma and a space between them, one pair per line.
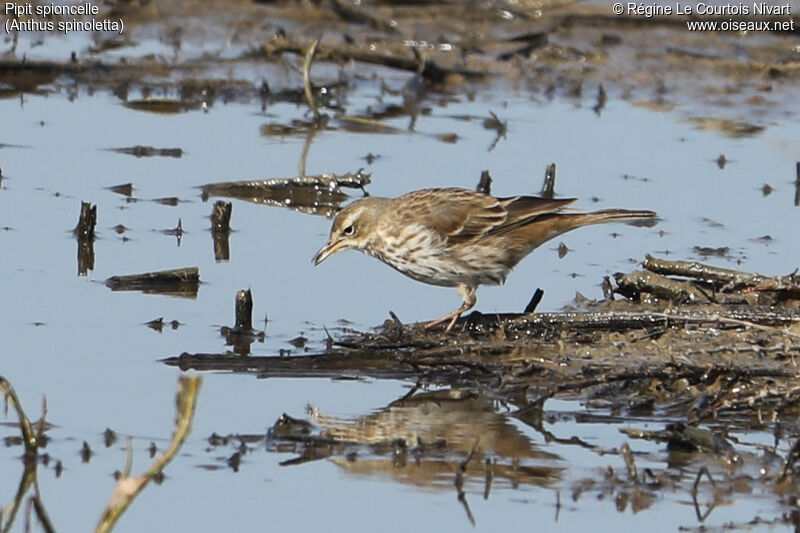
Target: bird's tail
608, 215
568, 221
552, 225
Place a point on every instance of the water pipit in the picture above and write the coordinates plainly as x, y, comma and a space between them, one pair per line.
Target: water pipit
456, 237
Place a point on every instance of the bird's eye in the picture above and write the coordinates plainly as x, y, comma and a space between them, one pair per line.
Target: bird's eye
349, 230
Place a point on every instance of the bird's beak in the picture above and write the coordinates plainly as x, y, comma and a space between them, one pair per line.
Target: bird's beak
329, 249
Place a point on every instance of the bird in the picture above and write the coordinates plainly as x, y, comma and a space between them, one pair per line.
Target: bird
454, 237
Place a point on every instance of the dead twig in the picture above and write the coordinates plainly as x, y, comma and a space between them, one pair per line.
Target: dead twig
701, 516
309, 59
791, 459
485, 183
549, 184
459, 482
129, 487
630, 464
32, 441
29, 436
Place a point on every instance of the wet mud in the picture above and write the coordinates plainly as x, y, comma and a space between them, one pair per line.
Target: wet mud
550, 48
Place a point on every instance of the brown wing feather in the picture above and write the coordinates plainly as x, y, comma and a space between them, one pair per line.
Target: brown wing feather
456, 214
461, 214
527, 206
524, 209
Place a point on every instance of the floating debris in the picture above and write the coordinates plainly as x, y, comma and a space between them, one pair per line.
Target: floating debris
139, 151
109, 437
355, 124
157, 324
371, 158
707, 251
86, 452
500, 127
171, 201
183, 282
299, 342
125, 189
177, 231
681, 436
162, 106
319, 194
712, 223
730, 128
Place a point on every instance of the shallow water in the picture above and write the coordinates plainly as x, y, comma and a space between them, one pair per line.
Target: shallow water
86, 348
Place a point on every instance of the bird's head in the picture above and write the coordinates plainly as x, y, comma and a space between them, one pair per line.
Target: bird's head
353, 227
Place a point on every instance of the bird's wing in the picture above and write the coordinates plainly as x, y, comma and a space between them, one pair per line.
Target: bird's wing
453, 214
461, 215
525, 209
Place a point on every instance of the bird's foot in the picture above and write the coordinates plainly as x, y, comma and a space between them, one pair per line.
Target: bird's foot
452, 318
468, 293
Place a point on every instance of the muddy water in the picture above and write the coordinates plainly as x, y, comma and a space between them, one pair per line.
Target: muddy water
68, 337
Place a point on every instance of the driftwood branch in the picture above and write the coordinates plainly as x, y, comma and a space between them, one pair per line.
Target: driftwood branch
700, 271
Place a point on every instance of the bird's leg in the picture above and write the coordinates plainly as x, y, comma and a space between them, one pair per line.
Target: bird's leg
468, 294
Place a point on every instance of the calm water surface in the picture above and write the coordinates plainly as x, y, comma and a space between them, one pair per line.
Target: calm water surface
85, 348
